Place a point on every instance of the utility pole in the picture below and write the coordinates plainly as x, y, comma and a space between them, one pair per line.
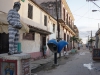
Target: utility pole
88, 41
91, 38
58, 25
98, 26
88, 37
91, 34
58, 28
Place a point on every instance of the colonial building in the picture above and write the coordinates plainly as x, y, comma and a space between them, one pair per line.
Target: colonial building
76, 30
66, 19
37, 23
38, 18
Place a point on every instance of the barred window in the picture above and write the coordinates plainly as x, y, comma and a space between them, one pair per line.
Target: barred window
30, 11
53, 27
64, 14
29, 36
45, 20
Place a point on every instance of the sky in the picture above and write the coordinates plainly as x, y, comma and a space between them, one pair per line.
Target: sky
85, 19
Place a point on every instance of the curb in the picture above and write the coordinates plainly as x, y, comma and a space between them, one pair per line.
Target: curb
36, 64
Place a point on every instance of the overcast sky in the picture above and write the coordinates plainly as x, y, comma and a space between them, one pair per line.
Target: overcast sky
85, 19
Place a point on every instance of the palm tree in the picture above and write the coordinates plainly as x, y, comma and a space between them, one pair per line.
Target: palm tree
74, 39
91, 41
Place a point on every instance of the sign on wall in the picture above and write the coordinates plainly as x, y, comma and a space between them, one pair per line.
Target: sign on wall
25, 67
8, 68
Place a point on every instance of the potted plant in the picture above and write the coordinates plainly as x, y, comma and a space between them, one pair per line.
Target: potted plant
74, 39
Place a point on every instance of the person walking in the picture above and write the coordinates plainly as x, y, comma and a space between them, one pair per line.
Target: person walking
44, 51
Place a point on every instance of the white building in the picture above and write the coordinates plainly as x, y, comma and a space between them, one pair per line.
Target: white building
35, 20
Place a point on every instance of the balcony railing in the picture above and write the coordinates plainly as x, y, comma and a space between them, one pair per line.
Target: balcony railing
70, 26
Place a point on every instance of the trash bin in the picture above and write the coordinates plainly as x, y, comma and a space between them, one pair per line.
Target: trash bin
19, 47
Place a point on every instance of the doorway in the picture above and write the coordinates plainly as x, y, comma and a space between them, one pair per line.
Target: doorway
68, 42
4, 43
65, 40
42, 42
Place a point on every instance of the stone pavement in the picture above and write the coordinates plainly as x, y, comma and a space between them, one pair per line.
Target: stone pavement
37, 63
80, 63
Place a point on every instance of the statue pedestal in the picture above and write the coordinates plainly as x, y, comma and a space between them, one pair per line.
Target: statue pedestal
17, 64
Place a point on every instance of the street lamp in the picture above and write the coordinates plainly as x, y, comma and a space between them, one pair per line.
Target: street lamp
91, 0
95, 10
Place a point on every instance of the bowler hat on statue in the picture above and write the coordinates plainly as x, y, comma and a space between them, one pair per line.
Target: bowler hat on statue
17, 3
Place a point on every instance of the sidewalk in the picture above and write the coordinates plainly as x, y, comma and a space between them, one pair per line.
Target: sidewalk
37, 63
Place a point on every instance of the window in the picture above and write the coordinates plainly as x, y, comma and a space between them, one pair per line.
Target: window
53, 27
45, 20
30, 11
29, 36
64, 14
67, 19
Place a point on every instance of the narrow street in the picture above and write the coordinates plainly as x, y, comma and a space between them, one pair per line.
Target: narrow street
79, 64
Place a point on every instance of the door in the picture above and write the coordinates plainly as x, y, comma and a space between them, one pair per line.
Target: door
4, 43
42, 42
68, 42
65, 40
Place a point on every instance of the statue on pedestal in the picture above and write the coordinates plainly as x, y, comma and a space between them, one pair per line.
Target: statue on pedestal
14, 27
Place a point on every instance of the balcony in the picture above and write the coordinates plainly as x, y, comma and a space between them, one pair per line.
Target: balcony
61, 20
70, 26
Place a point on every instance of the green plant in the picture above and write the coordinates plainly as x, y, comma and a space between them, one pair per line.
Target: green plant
74, 39
91, 40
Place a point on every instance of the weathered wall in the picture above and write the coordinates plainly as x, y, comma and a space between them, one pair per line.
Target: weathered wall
50, 6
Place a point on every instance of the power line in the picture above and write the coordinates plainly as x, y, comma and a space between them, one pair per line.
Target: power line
80, 8
86, 17
95, 4
83, 15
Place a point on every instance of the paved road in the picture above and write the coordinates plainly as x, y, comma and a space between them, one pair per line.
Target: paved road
79, 64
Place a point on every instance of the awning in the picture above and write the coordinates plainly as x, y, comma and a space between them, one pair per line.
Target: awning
39, 30
3, 28
4, 23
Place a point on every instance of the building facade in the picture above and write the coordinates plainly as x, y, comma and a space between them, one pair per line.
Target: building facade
38, 18
37, 22
66, 19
